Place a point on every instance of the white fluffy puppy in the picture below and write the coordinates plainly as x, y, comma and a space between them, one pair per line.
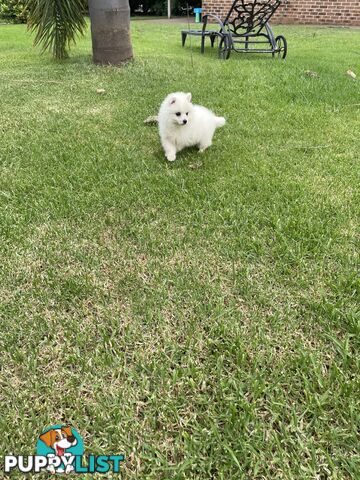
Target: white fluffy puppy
182, 124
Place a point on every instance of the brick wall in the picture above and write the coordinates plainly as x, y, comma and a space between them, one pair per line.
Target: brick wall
320, 12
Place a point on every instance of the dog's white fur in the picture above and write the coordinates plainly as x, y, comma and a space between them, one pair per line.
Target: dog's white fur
182, 124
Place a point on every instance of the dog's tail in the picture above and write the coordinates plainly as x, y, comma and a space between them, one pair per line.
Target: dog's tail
220, 121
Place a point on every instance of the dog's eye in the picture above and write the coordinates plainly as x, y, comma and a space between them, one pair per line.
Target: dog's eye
187, 113
178, 114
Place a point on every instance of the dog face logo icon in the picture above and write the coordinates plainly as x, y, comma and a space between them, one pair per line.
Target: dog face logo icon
59, 439
60, 444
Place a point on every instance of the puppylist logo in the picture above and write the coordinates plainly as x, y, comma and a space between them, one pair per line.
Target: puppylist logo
60, 449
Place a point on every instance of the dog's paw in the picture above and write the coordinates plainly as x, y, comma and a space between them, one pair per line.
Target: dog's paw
202, 148
171, 157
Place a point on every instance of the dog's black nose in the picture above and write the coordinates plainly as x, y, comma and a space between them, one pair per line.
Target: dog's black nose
71, 438
184, 122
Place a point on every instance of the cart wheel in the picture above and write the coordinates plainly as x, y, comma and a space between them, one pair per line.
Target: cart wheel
224, 48
281, 47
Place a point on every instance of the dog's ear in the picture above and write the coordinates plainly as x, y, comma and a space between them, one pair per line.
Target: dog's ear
172, 100
188, 97
67, 430
48, 437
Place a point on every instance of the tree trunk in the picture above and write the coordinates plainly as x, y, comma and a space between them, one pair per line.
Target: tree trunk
110, 31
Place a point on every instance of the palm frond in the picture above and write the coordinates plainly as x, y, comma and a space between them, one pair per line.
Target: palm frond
56, 23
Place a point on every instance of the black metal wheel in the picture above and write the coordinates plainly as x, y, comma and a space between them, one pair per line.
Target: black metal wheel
224, 48
281, 47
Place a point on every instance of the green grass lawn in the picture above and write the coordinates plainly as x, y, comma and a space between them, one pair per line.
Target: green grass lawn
200, 317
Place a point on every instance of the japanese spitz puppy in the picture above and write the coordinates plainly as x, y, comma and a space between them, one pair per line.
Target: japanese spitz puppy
182, 124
